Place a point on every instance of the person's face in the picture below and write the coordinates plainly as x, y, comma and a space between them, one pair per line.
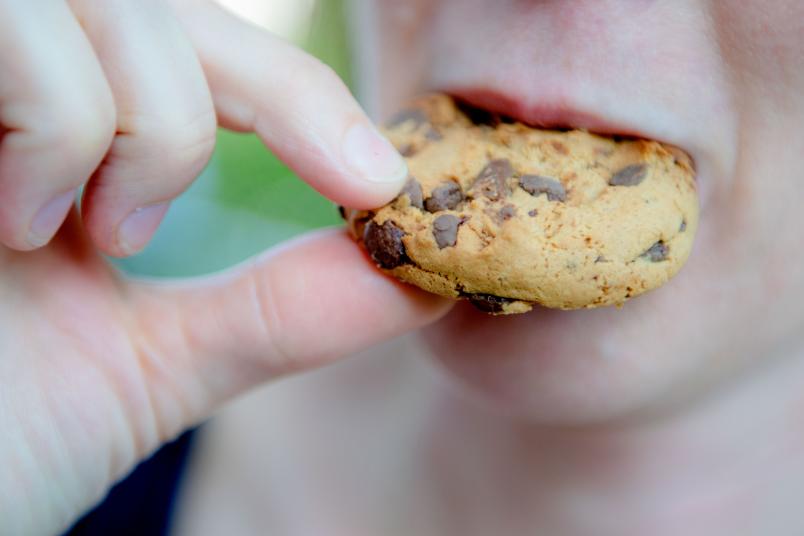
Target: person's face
723, 80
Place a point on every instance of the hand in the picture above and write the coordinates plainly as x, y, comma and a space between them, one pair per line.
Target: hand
122, 96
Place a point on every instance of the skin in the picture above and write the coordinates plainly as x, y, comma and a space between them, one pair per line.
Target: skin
680, 412
677, 414
693, 74
739, 126
97, 371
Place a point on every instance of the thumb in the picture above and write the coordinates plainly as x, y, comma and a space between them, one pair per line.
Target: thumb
299, 306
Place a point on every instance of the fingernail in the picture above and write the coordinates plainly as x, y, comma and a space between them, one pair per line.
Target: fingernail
138, 227
47, 221
372, 156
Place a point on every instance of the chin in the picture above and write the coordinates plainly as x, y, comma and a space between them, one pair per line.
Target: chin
582, 367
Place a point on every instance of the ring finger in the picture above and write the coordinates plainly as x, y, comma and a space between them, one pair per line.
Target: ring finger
56, 118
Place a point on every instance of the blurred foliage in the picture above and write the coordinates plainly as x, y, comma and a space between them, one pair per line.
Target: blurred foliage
251, 178
246, 200
328, 40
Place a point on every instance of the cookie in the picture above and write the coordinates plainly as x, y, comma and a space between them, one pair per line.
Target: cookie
508, 216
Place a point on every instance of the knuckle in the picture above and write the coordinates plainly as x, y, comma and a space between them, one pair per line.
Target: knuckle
315, 78
84, 128
325, 73
265, 295
184, 145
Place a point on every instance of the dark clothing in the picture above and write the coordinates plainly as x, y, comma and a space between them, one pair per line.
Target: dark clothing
141, 504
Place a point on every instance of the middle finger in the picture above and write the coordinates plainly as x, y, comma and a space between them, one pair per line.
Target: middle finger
166, 119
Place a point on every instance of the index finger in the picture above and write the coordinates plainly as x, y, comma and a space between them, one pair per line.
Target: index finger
297, 105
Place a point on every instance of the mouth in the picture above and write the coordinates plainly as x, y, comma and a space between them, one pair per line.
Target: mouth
630, 69
557, 113
563, 66
566, 111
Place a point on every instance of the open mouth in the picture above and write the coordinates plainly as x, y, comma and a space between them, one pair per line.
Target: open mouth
490, 105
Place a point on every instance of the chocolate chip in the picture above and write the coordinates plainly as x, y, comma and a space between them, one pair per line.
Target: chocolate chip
488, 303
413, 114
384, 244
492, 182
342, 212
683, 226
629, 175
507, 212
433, 135
657, 252
445, 197
533, 213
536, 185
407, 150
445, 230
414, 192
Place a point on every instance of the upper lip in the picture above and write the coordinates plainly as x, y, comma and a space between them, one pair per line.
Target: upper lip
571, 64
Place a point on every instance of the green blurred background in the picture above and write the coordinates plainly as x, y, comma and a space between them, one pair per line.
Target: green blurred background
246, 200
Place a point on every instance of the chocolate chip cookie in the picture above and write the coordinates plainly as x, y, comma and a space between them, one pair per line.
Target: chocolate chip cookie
507, 216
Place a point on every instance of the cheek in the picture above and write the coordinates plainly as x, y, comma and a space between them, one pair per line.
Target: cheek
763, 44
